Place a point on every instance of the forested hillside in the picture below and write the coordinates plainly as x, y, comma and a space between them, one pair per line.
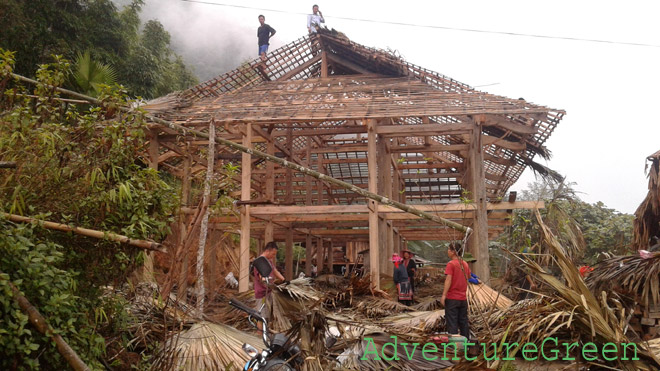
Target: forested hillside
139, 54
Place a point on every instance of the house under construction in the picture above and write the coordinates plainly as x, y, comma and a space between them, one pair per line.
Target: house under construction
368, 118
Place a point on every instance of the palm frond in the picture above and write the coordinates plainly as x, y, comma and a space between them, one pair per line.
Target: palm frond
205, 346
90, 75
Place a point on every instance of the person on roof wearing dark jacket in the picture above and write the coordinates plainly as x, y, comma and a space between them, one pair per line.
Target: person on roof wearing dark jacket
264, 33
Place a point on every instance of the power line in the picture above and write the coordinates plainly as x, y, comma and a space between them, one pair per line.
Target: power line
437, 27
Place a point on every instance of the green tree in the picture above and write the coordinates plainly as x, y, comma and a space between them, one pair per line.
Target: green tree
586, 231
143, 59
80, 167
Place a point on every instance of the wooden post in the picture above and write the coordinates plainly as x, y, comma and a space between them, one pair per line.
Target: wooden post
386, 238
308, 256
270, 190
374, 248
185, 185
319, 183
324, 64
153, 149
318, 252
308, 202
330, 257
288, 255
478, 240
246, 178
288, 251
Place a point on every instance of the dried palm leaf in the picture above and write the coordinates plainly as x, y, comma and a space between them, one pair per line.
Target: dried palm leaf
481, 298
377, 307
647, 216
632, 275
428, 305
205, 346
424, 322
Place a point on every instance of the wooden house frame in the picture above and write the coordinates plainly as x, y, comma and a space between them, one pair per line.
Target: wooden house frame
366, 117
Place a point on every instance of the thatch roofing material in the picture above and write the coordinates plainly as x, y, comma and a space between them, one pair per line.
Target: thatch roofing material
632, 275
647, 216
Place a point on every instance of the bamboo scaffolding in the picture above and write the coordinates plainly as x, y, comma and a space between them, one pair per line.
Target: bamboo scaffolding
147, 245
40, 323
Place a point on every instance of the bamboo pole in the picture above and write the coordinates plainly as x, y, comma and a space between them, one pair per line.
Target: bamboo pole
186, 131
147, 245
38, 321
205, 220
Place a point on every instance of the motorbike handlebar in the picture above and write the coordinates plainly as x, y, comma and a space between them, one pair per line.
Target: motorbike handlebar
239, 305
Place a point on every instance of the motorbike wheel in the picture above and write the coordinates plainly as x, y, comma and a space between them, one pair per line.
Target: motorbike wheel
278, 365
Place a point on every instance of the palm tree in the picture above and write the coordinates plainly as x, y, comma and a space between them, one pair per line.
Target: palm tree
90, 74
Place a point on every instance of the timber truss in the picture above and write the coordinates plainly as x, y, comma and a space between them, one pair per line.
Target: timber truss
366, 117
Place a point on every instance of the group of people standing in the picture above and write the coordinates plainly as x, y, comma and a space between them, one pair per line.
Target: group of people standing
265, 31
454, 295
454, 298
404, 275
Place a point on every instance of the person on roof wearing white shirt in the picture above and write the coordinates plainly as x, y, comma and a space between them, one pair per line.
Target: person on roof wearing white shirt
314, 20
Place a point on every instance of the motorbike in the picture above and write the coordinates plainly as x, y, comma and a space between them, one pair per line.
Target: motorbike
280, 353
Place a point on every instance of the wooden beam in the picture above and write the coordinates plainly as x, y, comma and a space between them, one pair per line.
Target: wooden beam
507, 124
341, 209
348, 64
429, 148
300, 68
423, 129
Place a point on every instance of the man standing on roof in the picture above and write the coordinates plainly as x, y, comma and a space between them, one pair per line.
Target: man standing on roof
454, 296
314, 20
264, 33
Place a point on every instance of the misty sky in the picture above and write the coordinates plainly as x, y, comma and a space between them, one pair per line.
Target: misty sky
609, 91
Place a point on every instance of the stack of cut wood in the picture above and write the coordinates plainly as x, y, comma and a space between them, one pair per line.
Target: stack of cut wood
649, 321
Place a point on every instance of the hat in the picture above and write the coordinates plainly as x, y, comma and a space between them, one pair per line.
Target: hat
408, 251
469, 258
396, 258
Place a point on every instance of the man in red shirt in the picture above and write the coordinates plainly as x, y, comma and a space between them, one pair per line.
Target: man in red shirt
454, 295
262, 295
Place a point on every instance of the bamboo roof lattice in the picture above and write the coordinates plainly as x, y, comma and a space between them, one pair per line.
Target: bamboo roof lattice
310, 101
